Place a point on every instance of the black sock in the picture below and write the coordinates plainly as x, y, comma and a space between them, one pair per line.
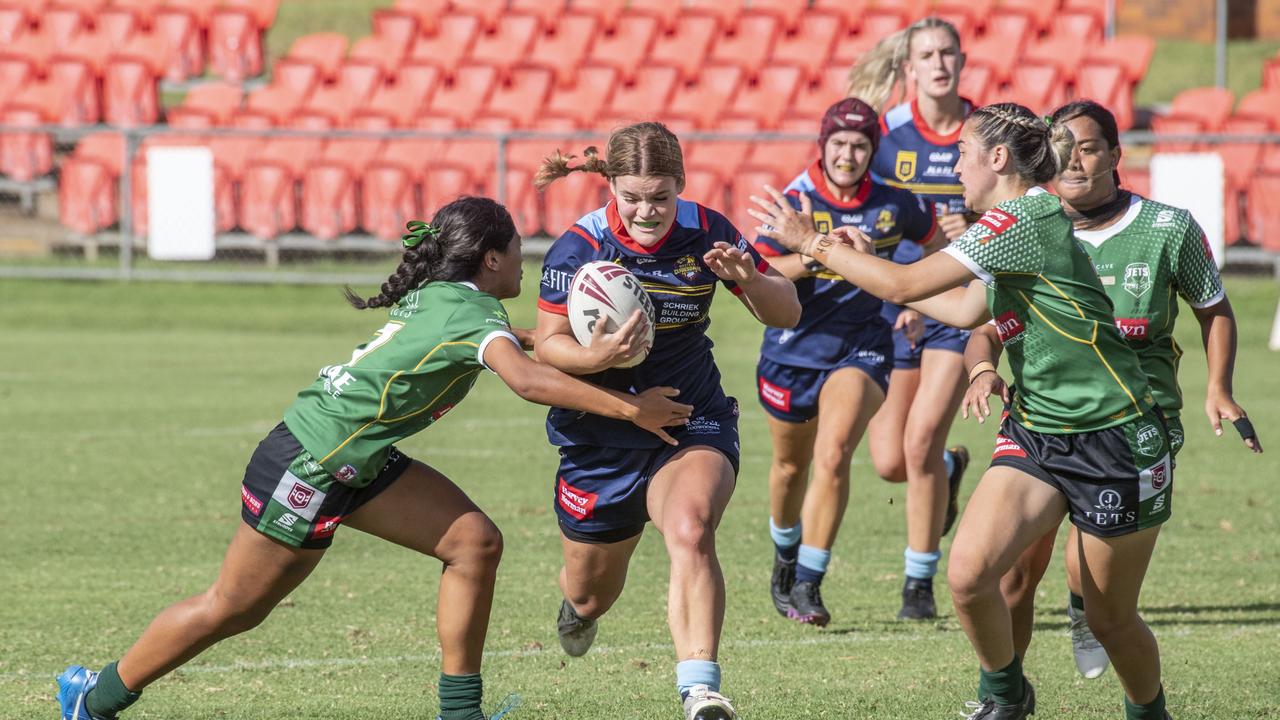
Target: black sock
460, 697
109, 696
1076, 601
788, 552
1006, 686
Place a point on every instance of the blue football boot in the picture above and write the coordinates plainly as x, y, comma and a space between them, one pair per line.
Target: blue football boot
74, 685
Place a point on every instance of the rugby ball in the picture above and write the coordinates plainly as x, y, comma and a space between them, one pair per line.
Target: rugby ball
606, 292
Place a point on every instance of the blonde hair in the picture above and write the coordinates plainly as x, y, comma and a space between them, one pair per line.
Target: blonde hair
1038, 148
643, 149
878, 73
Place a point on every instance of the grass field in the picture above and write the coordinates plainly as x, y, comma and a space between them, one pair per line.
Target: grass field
130, 411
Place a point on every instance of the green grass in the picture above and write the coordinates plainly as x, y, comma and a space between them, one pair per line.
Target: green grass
1181, 64
130, 411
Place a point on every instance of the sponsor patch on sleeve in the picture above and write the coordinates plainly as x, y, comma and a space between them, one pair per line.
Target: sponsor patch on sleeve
997, 221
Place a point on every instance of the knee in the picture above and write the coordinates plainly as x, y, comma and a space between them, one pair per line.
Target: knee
890, 469
969, 576
915, 451
229, 614
1018, 584
789, 472
690, 534
1110, 624
478, 543
832, 461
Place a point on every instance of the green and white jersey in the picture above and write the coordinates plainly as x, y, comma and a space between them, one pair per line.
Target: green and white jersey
413, 371
1153, 253
1073, 371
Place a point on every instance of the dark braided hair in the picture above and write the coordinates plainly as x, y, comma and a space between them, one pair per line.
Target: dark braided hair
451, 249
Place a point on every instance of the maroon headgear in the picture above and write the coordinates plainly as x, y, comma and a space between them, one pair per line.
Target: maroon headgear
850, 114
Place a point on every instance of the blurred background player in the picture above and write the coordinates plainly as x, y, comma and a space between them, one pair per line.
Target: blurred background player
1081, 433
908, 436
612, 481
332, 462
1146, 253
821, 382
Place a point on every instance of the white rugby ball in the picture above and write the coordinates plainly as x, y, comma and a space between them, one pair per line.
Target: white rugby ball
605, 291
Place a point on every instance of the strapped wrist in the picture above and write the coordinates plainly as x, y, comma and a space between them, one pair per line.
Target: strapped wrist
981, 367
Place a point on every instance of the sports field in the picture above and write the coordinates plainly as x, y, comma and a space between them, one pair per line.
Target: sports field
129, 412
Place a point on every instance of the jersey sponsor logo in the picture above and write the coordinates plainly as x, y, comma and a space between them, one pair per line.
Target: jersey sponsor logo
1137, 279
686, 268
1007, 448
336, 378
442, 411
1158, 506
1148, 440
1158, 477
287, 521
885, 220
557, 280
1175, 438
1009, 327
997, 221
904, 166
346, 473
1133, 328
775, 397
326, 526
847, 219
702, 426
871, 357
578, 503
822, 221
786, 335
1165, 219
939, 171
251, 502
300, 495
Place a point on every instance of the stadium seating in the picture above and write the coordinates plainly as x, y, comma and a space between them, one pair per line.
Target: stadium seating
563, 49
626, 46
702, 101
808, 44
686, 45
1264, 211
1131, 52
506, 44
767, 98
449, 45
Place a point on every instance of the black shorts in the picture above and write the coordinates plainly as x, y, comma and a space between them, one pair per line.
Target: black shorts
288, 497
1117, 481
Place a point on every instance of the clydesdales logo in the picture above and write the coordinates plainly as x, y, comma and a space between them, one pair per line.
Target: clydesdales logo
300, 496
904, 167
686, 268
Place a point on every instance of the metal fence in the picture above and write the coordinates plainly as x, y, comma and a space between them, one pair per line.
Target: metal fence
119, 253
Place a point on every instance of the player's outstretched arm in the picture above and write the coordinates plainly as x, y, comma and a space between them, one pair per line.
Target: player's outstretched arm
555, 344
962, 307
1218, 330
537, 382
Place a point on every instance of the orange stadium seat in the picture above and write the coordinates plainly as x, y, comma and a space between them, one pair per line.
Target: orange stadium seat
875, 26
179, 29
1240, 162
808, 45
564, 49
1106, 84
1096, 8
388, 200
1039, 12
449, 45
34, 47
548, 12
785, 158
607, 12
1135, 179
583, 101
650, 91
851, 10
64, 24
330, 106
1038, 87
145, 9
995, 54
960, 20
489, 12
750, 181
24, 156
1271, 74
813, 99
86, 196
908, 10
263, 11
201, 10
668, 14
1211, 106
235, 45
767, 98
328, 205
130, 93
376, 51
1066, 53
419, 81
360, 79
13, 23
521, 97
274, 103
705, 99
977, 84
704, 188
15, 74
1264, 211
325, 50
463, 97
977, 13
268, 199
442, 185
1261, 105
750, 43
117, 23
391, 106
569, 198
507, 44
627, 46
1176, 125
1011, 28
723, 158
397, 28
218, 101
686, 45
788, 12
429, 13
1083, 27
92, 49
727, 12
299, 77
1131, 52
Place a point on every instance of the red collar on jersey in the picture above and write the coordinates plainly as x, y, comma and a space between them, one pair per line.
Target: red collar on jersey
819, 179
928, 133
619, 230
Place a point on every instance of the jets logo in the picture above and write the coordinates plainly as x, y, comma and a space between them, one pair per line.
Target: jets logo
904, 167
1149, 441
1137, 279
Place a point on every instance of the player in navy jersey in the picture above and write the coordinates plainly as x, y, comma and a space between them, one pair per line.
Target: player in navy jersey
822, 381
918, 153
612, 481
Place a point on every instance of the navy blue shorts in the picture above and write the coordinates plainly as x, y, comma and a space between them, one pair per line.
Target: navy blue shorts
600, 492
790, 393
937, 336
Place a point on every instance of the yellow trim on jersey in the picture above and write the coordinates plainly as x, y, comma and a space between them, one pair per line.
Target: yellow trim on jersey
1064, 296
691, 290
1031, 306
887, 241
382, 401
918, 187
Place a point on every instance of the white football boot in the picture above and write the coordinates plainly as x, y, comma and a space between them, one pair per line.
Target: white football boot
1091, 657
703, 703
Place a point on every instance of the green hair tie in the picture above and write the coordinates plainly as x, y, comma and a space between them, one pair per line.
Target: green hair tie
418, 231
1048, 120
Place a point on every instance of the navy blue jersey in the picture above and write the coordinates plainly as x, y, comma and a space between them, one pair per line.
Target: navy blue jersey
833, 310
681, 287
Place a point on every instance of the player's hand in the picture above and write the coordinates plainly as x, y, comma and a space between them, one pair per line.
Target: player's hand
655, 410
1221, 406
629, 340
731, 263
911, 325
976, 397
525, 336
853, 237
953, 225
780, 222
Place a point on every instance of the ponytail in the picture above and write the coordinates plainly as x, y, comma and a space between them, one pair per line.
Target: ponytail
557, 166
642, 149
879, 73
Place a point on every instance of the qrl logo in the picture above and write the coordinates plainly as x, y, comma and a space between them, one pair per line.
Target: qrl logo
300, 496
1158, 477
1009, 327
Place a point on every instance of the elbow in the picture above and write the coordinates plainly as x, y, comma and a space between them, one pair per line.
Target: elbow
785, 314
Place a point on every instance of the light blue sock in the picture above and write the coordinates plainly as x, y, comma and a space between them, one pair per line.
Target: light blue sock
784, 537
697, 672
920, 566
813, 564
949, 459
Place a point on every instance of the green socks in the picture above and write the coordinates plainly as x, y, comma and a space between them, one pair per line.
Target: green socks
1006, 686
460, 697
109, 696
1153, 710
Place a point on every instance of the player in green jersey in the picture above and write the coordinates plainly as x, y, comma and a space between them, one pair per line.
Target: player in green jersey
1146, 254
332, 461
1081, 436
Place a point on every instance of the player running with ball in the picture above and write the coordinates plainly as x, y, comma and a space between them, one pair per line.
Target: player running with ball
611, 480
1081, 434
332, 462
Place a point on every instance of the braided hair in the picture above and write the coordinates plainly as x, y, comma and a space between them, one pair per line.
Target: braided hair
451, 248
1038, 149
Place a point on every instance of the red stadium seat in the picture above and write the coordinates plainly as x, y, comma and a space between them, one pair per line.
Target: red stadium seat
268, 206
977, 84
145, 9
466, 94
750, 182
299, 77
378, 52
704, 100
24, 156
627, 46
608, 12
976, 13
231, 154
447, 48
179, 30
117, 23
1039, 12
686, 45
851, 10
443, 185
668, 14
651, 89
328, 208
201, 10
388, 201
1010, 28
1210, 106
1132, 52
489, 12
1176, 125
235, 45
1264, 211
788, 12
548, 12
130, 93
1261, 105
64, 24
724, 158
15, 74
1271, 74
1083, 27
522, 96
909, 10
34, 47
874, 27
704, 188
808, 44
1064, 52
360, 79
325, 50
263, 11
727, 12
82, 104
86, 196
430, 14
767, 98
583, 101
273, 103
92, 50
565, 49
783, 157
396, 28
1038, 87
566, 200
994, 53
812, 99
1095, 8
13, 23
961, 20
1106, 84
750, 43
392, 106
507, 44
330, 106
1240, 162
